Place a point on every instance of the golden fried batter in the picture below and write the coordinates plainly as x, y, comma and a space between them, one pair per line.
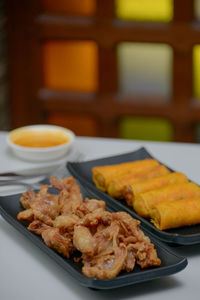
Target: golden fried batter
109, 242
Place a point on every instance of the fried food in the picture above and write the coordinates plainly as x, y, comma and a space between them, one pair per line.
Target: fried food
184, 212
102, 175
143, 248
42, 206
110, 261
130, 191
82, 239
149, 187
57, 241
118, 247
109, 242
146, 201
27, 199
115, 187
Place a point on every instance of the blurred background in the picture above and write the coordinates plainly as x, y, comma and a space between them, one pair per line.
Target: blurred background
108, 68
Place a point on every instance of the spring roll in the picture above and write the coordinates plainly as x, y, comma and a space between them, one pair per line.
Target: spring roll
116, 186
102, 175
146, 201
185, 212
131, 190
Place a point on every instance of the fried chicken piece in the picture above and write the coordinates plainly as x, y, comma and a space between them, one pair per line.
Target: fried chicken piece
142, 254
81, 210
68, 183
27, 199
99, 216
61, 184
37, 227
27, 215
130, 226
83, 239
106, 266
45, 207
42, 206
70, 196
93, 204
69, 201
92, 242
66, 223
110, 257
145, 253
130, 258
58, 242
88, 206
103, 239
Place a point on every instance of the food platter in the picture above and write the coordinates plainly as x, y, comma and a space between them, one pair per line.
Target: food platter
187, 235
170, 262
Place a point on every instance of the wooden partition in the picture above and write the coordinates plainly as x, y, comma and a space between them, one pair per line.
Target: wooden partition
98, 109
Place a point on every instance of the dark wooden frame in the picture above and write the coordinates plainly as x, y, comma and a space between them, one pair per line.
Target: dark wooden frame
30, 102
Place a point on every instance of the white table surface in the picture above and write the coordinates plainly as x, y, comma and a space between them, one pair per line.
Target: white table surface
28, 273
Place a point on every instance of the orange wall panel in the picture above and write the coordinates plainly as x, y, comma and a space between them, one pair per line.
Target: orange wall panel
71, 65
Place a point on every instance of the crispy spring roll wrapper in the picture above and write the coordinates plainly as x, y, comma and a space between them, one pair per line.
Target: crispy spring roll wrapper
102, 175
185, 212
144, 202
116, 186
131, 190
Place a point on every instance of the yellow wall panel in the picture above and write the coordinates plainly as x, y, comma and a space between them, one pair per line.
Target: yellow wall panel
145, 10
149, 129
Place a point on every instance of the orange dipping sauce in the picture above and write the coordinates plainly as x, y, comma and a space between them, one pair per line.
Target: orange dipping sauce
39, 138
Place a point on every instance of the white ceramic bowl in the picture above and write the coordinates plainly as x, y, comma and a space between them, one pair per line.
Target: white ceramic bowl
39, 143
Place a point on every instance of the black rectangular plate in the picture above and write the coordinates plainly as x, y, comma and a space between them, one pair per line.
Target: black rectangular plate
171, 263
186, 235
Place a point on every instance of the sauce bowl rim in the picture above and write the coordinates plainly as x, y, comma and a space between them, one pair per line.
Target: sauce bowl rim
69, 132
